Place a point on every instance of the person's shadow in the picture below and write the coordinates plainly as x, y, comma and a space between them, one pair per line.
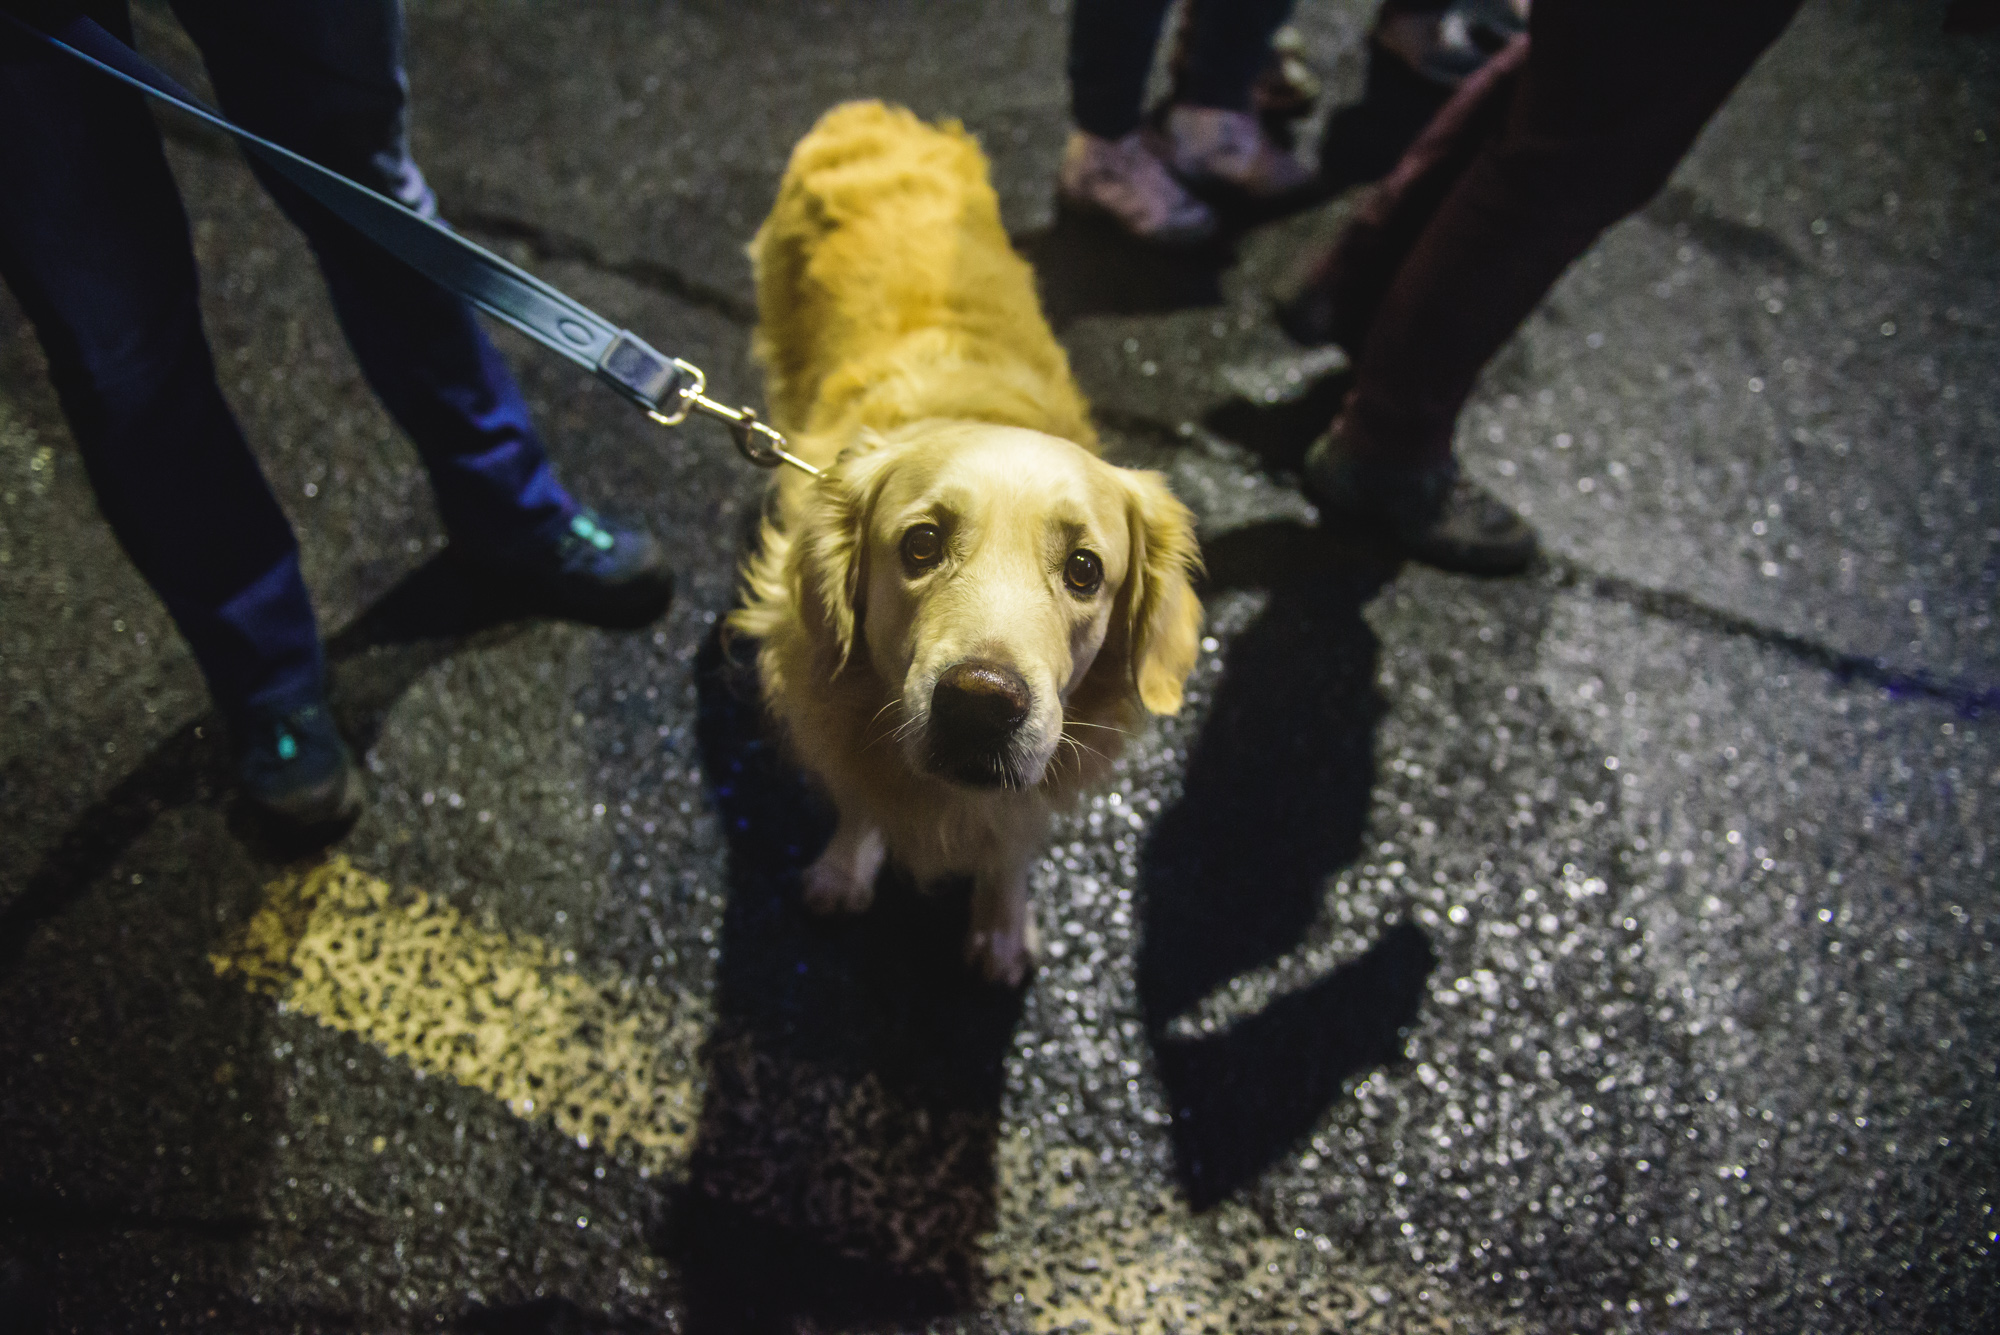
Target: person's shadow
80, 1181
1276, 799
843, 1163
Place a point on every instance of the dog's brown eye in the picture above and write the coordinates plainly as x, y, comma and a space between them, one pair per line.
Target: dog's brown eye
923, 547
1083, 572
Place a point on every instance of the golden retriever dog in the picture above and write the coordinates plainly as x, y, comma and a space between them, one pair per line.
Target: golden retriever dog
965, 615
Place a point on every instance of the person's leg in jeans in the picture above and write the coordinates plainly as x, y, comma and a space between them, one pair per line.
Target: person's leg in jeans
1111, 46
1107, 168
1210, 137
1228, 43
1607, 102
1213, 137
94, 245
327, 81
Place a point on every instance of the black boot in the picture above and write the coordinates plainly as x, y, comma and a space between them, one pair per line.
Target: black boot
1435, 514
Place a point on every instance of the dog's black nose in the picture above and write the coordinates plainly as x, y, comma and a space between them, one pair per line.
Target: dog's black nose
975, 708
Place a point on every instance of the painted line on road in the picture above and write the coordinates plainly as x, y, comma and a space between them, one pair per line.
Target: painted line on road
1078, 1244
606, 1062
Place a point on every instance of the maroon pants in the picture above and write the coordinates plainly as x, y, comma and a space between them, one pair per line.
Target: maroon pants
1560, 135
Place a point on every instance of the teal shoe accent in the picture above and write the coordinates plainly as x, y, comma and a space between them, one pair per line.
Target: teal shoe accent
580, 568
294, 767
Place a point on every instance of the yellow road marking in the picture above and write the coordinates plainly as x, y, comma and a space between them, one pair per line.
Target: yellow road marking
1087, 1249
1078, 1245
608, 1063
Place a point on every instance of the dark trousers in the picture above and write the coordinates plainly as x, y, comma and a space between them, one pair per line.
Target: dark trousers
94, 245
1111, 47
1558, 137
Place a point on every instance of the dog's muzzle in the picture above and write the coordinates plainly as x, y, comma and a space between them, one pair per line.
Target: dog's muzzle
976, 710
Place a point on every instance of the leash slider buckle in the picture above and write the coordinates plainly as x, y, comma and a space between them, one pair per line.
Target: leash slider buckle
756, 441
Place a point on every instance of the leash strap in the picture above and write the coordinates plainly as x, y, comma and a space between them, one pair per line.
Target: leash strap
666, 388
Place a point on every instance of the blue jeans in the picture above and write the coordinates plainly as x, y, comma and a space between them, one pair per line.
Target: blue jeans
94, 244
1111, 44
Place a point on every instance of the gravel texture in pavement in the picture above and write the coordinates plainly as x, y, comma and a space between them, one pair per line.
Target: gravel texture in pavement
1606, 949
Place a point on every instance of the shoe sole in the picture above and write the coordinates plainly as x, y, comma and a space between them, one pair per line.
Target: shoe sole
316, 821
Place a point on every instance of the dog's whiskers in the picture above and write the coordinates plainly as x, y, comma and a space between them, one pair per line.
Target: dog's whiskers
868, 735
1070, 752
1081, 747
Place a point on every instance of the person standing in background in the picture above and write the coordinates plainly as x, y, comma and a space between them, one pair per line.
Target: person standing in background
1209, 137
1561, 134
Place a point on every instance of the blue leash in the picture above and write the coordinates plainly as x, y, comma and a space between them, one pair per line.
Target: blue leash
666, 388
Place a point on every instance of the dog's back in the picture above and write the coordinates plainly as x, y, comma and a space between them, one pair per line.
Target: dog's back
888, 293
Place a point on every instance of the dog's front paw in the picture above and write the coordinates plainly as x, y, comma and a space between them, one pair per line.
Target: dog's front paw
833, 887
1004, 955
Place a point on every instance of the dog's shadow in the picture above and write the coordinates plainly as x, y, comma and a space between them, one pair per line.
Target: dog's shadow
1276, 799
843, 1168
843, 1165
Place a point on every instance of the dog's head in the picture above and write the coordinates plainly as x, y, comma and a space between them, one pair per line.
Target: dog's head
989, 574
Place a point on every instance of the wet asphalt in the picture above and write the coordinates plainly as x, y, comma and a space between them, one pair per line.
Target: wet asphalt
1605, 949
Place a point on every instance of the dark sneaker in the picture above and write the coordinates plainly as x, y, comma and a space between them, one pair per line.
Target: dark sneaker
581, 568
294, 768
1435, 514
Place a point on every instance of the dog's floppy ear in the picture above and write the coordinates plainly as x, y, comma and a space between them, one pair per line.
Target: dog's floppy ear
830, 553
1163, 614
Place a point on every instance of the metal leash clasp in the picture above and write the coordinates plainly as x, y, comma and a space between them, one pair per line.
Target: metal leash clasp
756, 441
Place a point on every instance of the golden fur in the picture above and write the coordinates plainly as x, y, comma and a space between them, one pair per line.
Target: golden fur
907, 355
